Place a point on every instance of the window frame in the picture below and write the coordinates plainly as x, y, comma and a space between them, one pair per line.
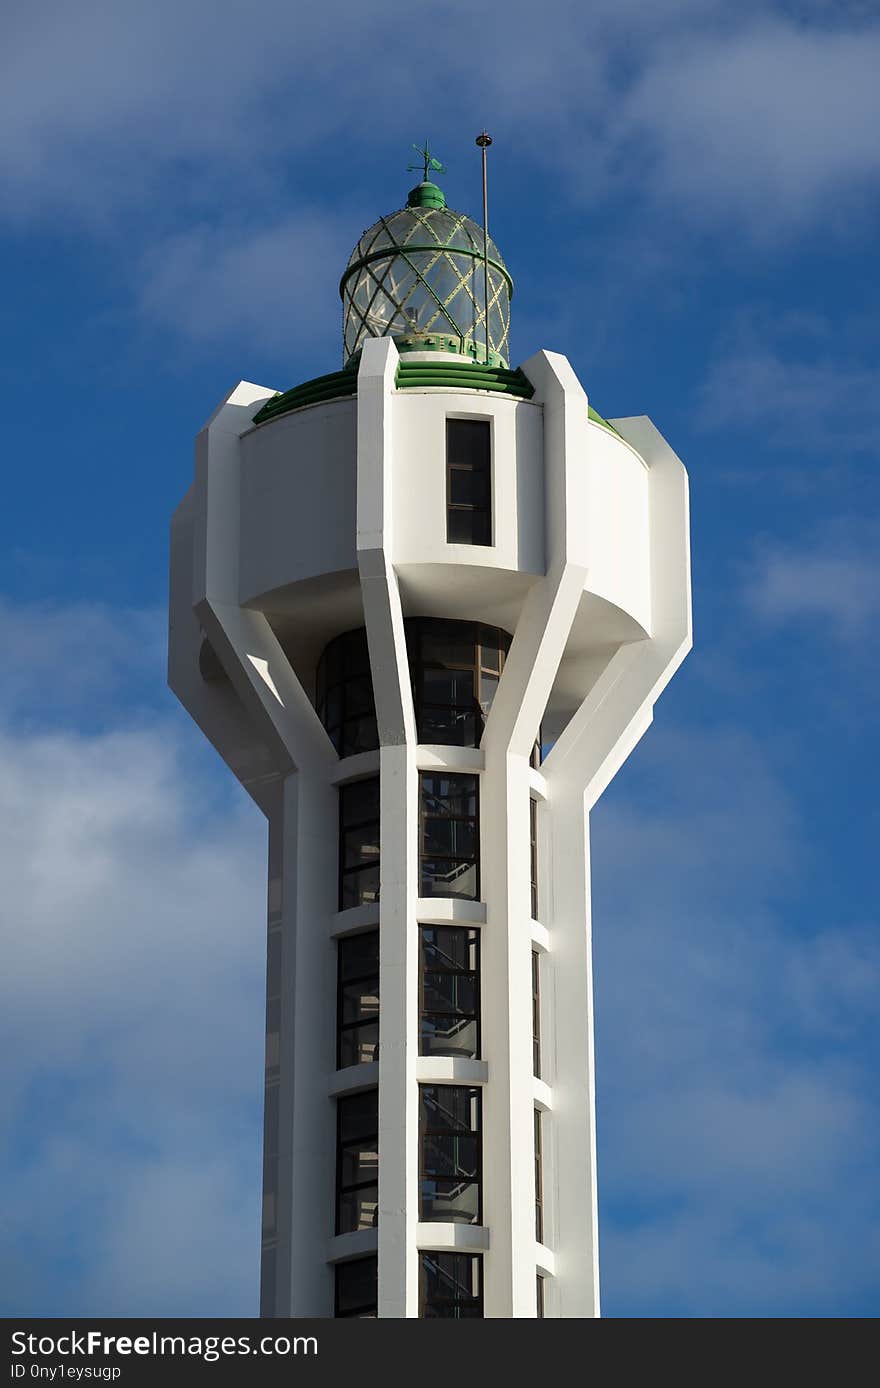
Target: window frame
539, 1176
452, 818
426, 1130
345, 649
536, 1013
342, 983
480, 666
475, 933
533, 854
341, 1147
450, 1253
454, 465
344, 828
363, 1310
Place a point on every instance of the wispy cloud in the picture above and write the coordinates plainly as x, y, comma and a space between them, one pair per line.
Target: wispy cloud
268, 284
832, 579
805, 405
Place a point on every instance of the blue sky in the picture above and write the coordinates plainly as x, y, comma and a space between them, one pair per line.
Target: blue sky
686, 195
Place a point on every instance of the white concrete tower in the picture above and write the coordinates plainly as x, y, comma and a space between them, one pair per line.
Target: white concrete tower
393, 588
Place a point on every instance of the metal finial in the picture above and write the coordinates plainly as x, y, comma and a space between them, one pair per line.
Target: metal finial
428, 163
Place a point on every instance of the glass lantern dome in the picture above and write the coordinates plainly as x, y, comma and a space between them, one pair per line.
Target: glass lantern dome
418, 276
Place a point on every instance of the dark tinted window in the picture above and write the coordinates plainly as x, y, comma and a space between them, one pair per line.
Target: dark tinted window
450, 991
357, 1162
533, 854
450, 1153
344, 694
468, 482
455, 668
539, 1180
356, 1287
536, 1013
449, 835
357, 1004
359, 843
451, 1285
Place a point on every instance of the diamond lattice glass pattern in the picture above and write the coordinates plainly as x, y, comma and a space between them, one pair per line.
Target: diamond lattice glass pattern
420, 271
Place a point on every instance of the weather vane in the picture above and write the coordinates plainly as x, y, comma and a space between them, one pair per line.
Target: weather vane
428, 163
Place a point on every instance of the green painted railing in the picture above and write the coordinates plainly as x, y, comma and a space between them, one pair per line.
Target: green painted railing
411, 375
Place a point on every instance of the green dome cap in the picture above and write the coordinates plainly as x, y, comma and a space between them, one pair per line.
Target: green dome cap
426, 195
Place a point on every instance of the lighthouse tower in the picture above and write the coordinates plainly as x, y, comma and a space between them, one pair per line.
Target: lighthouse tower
422, 606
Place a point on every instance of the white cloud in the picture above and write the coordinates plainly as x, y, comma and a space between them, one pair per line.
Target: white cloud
131, 1001
737, 1121
765, 122
738, 1129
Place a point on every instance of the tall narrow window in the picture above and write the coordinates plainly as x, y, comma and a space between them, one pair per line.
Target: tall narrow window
356, 1288
357, 1162
536, 1013
540, 1295
451, 1153
533, 854
451, 1286
449, 836
539, 1180
468, 482
357, 1000
450, 993
359, 843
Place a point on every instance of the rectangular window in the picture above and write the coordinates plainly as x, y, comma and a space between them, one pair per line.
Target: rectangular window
533, 854
540, 1296
356, 1288
539, 1181
536, 1013
357, 1000
448, 835
450, 1165
450, 991
451, 1285
357, 1162
468, 482
359, 843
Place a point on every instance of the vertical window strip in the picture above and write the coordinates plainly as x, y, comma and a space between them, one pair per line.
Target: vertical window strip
539, 1180
536, 1014
533, 853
